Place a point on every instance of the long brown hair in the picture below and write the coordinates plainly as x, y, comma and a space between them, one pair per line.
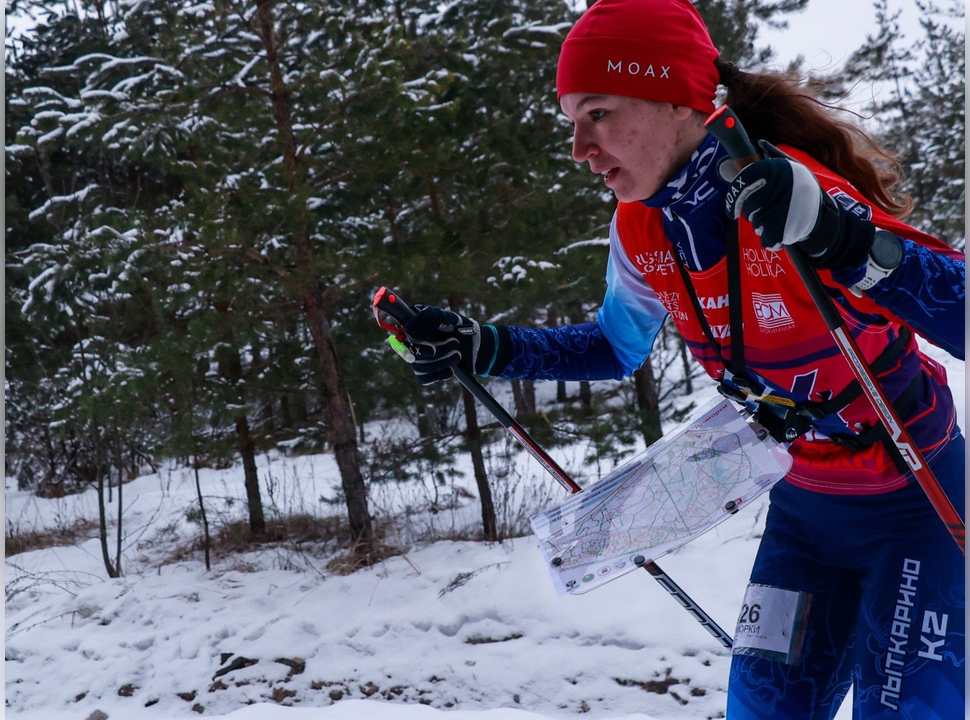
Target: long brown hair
775, 107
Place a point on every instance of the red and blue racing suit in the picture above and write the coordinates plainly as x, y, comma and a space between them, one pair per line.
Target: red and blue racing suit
848, 535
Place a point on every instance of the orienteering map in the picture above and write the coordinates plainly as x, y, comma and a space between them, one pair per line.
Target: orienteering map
683, 485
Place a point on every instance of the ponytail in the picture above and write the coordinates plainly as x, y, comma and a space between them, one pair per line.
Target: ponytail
774, 107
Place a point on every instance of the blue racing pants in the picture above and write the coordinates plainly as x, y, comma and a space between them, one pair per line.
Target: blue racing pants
871, 591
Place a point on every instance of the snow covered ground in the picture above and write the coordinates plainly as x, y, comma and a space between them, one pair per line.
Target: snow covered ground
450, 630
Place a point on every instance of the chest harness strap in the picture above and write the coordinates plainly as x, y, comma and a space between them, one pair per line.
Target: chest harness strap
786, 419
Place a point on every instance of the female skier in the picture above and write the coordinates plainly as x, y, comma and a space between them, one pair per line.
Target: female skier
854, 564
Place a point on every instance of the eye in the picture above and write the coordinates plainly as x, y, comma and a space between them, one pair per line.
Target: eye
597, 115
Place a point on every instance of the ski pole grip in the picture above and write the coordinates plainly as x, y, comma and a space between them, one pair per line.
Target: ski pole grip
391, 303
727, 128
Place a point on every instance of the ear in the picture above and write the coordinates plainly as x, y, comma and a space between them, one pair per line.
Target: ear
682, 112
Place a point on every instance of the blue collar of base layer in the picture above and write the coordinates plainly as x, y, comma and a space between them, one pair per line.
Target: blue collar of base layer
702, 167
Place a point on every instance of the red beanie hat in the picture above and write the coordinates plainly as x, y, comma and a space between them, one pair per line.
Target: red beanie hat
656, 50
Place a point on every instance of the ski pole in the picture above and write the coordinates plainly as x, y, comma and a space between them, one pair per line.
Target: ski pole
727, 128
392, 304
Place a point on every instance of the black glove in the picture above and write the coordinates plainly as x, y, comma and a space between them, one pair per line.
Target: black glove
785, 204
442, 340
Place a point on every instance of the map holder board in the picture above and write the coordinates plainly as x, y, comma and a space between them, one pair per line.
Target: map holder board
686, 483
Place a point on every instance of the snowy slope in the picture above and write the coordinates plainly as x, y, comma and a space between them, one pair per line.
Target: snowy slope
452, 630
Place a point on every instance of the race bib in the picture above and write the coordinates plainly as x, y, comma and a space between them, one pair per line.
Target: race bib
772, 623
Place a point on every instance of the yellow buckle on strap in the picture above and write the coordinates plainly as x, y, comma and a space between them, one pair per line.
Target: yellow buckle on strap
768, 398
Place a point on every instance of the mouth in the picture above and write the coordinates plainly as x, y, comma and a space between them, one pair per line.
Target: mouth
609, 174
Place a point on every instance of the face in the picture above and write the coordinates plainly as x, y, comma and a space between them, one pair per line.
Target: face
636, 145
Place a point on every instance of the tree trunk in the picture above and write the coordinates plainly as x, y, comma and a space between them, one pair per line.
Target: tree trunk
103, 515
585, 395
688, 366
474, 437
343, 432
425, 419
300, 407
121, 504
524, 395
648, 404
247, 450
315, 306
286, 417
230, 367
103, 530
206, 538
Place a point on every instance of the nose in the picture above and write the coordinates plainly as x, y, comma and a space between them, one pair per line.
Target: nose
583, 148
